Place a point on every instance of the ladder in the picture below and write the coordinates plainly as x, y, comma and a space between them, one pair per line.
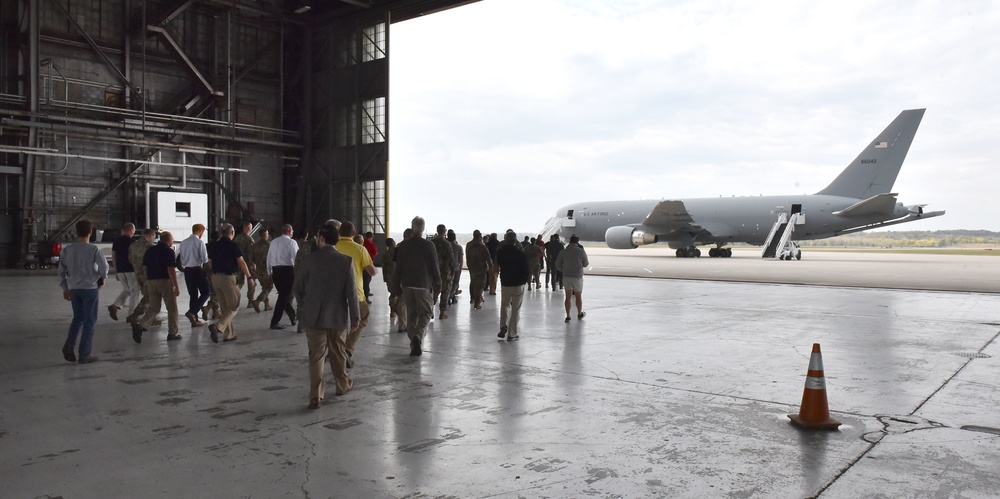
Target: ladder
781, 234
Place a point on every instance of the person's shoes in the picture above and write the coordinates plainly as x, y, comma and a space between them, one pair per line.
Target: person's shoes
227, 340
173, 337
314, 403
493, 293
294, 322
368, 301
255, 305
392, 315
444, 315
350, 361
538, 286
215, 313
581, 315
157, 322
503, 332
415, 350
458, 292
204, 312
137, 332
113, 310
68, 353
88, 359
267, 306
513, 337
401, 329
277, 327
194, 319
567, 319
213, 332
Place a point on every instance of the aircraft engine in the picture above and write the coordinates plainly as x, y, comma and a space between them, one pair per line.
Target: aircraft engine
624, 237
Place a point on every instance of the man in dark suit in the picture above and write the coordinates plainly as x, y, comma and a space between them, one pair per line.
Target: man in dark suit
327, 293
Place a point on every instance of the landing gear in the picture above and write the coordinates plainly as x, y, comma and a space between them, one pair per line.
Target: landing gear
691, 252
720, 252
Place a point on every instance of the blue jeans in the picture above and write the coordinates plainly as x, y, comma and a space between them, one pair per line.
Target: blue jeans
84, 303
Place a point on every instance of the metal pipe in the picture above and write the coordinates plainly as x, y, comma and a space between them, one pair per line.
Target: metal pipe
28, 195
41, 152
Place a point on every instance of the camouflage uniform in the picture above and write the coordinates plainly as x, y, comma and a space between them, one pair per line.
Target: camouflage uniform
245, 242
446, 265
305, 247
477, 259
260, 249
388, 275
136, 253
534, 264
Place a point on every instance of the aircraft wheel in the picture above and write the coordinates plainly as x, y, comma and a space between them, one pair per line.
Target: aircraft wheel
679, 253
696, 253
728, 252
45, 266
31, 265
713, 253
798, 257
781, 257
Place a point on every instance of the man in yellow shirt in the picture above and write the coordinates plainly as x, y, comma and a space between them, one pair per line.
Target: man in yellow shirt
362, 264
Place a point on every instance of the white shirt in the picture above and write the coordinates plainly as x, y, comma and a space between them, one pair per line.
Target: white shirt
193, 252
282, 252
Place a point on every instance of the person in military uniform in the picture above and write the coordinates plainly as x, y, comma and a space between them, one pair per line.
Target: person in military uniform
213, 302
260, 249
136, 253
477, 258
534, 254
446, 267
245, 241
388, 269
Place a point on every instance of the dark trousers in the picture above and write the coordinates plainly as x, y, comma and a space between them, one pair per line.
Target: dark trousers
284, 278
197, 286
367, 284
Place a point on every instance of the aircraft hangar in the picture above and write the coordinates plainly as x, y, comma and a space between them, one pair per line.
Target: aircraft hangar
269, 110
678, 382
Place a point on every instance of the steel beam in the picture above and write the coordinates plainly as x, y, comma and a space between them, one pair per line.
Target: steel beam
179, 52
97, 49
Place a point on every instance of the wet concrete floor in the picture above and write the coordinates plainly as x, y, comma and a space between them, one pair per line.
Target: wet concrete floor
666, 389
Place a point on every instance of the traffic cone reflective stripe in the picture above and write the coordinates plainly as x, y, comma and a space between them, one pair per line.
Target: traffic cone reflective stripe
814, 412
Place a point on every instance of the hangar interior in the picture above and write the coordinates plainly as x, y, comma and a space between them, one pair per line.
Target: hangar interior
275, 110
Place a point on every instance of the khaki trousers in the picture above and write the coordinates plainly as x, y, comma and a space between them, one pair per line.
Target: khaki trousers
510, 299
160, 291
419, 305
325, 343
130, 291
228, 296
355, 335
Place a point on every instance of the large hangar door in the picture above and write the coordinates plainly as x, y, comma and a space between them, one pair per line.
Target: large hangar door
348, 151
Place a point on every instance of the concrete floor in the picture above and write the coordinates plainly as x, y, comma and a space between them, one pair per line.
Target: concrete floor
668, 388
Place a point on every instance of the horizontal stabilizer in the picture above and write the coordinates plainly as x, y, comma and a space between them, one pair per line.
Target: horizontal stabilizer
881, 204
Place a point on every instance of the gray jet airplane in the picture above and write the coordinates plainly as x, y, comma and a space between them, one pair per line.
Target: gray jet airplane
859, 199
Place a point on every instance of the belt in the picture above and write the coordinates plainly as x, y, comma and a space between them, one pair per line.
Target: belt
228, 273
282, 267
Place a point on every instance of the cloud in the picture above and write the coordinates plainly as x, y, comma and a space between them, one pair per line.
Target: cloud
515, 108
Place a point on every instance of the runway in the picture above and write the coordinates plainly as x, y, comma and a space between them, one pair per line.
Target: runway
915, 271
675, 386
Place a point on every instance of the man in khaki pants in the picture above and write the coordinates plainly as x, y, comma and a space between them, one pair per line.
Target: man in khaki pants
159, 265
227, 261
327, 294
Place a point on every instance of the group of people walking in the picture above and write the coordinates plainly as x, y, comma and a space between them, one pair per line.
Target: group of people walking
327, 274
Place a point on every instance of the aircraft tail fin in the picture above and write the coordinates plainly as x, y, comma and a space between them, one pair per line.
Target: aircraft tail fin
874, 171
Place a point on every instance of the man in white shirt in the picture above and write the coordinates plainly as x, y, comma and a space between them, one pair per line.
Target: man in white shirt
194, 255
281, 268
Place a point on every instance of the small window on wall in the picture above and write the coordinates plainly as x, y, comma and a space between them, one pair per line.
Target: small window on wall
183, 210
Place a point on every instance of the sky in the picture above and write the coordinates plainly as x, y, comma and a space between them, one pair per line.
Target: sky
502, 111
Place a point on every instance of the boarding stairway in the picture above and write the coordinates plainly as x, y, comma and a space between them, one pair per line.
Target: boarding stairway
781, 234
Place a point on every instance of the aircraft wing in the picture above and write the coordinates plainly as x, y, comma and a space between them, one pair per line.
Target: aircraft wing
881, 204
668, 216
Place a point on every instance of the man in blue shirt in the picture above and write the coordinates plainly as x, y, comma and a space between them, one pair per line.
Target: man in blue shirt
161, 287
227, 261
124, 273
82, 271
194, 256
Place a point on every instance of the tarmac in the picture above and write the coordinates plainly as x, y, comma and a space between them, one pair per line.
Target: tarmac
673, 386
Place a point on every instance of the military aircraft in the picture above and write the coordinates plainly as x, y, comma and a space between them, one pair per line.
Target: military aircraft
859, 199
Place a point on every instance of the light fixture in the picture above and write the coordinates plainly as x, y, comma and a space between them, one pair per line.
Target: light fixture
303, 9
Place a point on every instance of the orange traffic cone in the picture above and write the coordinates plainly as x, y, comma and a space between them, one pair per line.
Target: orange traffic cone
814, 412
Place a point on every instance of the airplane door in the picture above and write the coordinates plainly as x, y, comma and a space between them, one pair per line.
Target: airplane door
569, 221
797, 208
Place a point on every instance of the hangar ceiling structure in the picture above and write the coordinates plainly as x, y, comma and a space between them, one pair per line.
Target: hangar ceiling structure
277, 110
